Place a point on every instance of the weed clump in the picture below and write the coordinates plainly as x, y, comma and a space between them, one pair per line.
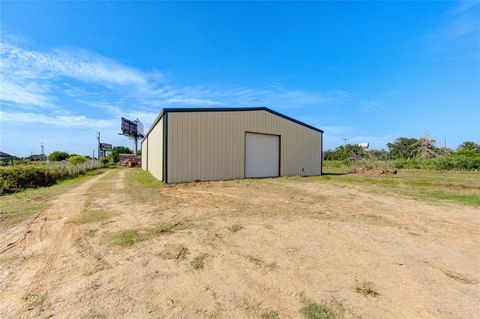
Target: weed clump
270, 314
182, 253
367, 288
126, 238
164, 228
317, 311
235, 228
198, 262
91, 217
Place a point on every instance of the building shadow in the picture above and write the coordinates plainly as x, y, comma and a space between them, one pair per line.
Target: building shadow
335, 174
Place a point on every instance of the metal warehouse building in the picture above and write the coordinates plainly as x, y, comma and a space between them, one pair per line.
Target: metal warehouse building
185, 145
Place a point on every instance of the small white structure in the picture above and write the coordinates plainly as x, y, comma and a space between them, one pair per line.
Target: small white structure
185, 145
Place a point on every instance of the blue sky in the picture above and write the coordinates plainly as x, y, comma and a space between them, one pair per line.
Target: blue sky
367, 71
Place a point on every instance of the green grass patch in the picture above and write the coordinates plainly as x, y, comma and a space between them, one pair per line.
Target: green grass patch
16, 207
126, 238
129, 237
92, 216
318, 311
12, 213
461, 187
466, 199
142, 178
235, 228
198, 262
367, 289
270, 314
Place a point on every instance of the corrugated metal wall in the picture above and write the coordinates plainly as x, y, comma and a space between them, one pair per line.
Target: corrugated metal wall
153, 147
211, 145
144, 147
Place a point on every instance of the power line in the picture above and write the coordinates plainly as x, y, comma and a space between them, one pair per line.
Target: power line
35, 103
20, 85
22, 97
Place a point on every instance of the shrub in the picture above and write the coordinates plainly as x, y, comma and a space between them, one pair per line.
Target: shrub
58, 156
15, 178
77, 159
448, 162
104, 161
317, 311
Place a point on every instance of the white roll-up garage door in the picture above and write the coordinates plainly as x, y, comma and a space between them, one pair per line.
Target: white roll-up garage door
262, 155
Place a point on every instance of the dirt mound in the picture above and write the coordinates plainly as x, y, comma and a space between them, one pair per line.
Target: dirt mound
371, 171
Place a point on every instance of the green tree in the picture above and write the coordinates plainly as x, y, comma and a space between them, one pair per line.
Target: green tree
468, 148
117, 150
403, 147
379, 155
58, 156
347, 152
77, 159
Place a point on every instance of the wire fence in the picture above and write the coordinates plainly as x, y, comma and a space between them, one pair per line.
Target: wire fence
66, 168
15, 178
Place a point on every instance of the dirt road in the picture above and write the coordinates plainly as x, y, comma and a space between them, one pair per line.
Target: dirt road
240, 249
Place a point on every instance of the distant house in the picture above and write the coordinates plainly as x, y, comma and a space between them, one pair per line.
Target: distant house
5, 158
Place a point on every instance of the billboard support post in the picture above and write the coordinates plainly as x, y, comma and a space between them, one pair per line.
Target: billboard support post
132, 129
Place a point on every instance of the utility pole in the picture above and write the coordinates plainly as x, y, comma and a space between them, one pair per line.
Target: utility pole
42, 153
136, 145
445, 144
345, 141
98, 145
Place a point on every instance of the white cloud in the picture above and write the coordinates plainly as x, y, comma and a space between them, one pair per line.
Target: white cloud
192, 101
457, 37
72, 63
27, 94
59, 87
108, 80
55, 120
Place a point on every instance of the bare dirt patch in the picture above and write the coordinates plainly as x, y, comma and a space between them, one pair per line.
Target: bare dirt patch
273, 248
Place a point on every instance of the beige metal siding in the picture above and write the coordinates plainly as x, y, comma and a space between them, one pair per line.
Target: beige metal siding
155, 150
211, 145
144, 153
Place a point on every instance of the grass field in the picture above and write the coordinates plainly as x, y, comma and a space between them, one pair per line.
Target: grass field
344, 245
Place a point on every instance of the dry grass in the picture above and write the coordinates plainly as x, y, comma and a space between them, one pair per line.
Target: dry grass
235, 228
270, 314
318, 311
367, 289
129, 237
198, 262
459, 277
91, 217
90, 232
182, 253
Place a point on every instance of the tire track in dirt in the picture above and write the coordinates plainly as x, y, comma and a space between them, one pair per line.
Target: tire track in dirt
47, 236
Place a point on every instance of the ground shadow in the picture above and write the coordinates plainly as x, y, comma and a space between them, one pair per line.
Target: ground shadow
335, 174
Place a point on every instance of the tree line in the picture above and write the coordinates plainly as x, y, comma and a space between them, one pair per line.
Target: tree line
412, 153
112, 157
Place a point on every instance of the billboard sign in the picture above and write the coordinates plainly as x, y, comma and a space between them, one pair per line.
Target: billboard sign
132, 128
129, 128
139, 128
106, 147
